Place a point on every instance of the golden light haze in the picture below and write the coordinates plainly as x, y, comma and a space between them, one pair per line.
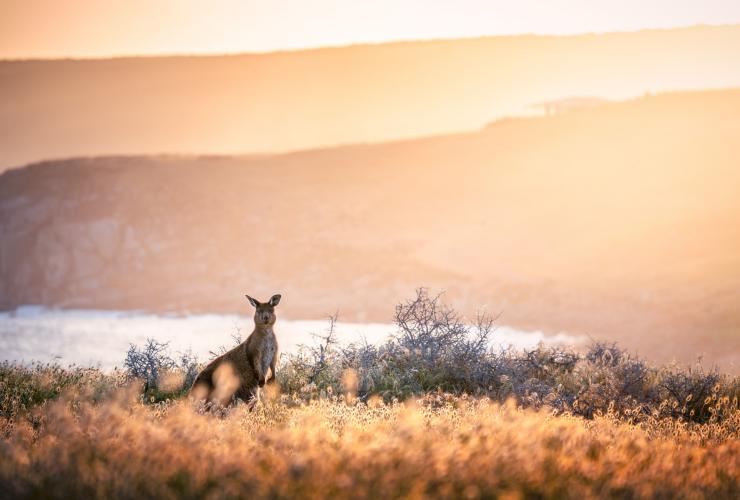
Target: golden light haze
167, 183
521, 217
92, 28
316, 98
619, 222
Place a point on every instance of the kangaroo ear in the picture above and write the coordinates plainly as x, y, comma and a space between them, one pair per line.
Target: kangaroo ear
252, 301
275, 299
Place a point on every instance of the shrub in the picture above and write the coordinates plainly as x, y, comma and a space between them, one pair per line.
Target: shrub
693, 392
25, 387
432, 349
162, 377
436, 350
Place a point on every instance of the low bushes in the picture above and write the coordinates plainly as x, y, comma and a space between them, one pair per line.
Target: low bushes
433, 351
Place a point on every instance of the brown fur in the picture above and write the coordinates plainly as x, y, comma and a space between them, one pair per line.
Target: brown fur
241, 372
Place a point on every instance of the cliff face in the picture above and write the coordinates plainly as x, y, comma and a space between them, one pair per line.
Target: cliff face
296, 100
188, 234
618, 221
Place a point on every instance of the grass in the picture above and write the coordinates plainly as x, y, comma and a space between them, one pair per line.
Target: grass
431, 413
441, 446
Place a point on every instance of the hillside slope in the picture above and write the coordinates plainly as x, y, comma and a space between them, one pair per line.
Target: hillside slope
297, 100
619, 222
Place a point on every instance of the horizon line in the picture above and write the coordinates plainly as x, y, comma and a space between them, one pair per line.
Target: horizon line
358, 44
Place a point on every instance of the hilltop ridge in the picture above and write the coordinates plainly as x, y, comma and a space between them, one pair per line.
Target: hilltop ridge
283, 101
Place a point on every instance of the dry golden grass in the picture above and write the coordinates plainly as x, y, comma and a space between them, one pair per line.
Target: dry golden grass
437, 446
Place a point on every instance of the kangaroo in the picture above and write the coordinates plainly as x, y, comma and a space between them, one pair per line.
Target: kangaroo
241, 372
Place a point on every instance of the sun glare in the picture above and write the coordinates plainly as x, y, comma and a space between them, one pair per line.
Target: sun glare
89, 28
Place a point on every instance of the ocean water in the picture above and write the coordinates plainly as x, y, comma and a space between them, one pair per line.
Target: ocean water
101, 338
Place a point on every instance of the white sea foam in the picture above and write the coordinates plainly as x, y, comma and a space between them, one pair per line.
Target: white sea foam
100, 338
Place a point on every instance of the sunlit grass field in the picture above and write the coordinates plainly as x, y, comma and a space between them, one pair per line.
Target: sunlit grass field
438, 445
432, 413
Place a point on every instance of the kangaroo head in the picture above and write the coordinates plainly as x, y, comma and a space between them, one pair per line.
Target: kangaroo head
264, 312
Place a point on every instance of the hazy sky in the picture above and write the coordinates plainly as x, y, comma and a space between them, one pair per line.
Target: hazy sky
84, 28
